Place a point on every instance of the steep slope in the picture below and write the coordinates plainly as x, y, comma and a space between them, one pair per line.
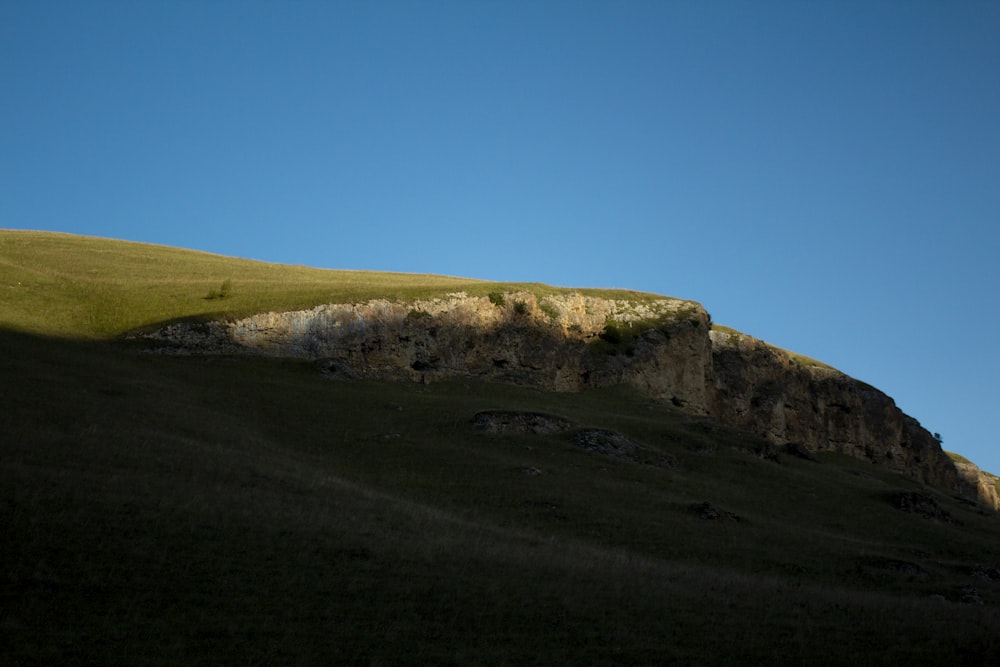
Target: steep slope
788, 399
986, 485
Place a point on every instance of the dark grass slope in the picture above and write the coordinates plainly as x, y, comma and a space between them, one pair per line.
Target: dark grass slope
170, 510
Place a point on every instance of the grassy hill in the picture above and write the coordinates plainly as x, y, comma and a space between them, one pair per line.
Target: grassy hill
76, 286
167, 510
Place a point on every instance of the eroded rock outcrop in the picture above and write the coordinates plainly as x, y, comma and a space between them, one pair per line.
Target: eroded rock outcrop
564, 342
666, 348
787, 398
979, 483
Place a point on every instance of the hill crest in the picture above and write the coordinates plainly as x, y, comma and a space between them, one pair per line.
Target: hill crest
422, 327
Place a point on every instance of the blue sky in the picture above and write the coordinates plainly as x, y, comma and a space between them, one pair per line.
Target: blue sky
822, 175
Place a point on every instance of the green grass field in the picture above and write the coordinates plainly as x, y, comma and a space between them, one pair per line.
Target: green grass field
74, 286
215, 510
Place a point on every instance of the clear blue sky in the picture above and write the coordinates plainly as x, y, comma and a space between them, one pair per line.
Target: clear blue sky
822, 175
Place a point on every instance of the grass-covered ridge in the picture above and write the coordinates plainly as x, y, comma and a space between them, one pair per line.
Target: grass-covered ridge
800, 359
76, 286
958, 458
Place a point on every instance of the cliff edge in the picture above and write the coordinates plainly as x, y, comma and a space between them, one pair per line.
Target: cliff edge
665, 348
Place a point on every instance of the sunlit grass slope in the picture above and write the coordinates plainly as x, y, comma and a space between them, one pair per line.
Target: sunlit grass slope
75, 286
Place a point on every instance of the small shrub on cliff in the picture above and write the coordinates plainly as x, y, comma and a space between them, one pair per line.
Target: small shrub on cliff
610, 340
415, 314
549, 310
497, 299
612, 333
520, 308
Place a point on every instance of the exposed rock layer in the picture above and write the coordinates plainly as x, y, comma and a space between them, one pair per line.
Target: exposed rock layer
664, 348
982, 483
562, 342
766, 390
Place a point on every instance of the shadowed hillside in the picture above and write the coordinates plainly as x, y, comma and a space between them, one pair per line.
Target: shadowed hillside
242, 508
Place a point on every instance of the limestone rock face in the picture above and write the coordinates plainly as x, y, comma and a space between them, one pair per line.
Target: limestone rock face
665, 348
979, 484
794, 400
562, 342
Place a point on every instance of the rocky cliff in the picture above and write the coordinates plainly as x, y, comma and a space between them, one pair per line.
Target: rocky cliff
980, 484
562, 342
665, 348
788, 398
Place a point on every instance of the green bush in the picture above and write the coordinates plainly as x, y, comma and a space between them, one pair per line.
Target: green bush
224, 292
612, 333
497, 299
